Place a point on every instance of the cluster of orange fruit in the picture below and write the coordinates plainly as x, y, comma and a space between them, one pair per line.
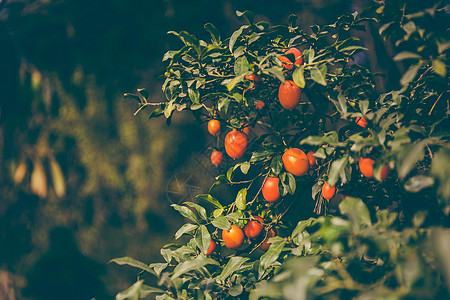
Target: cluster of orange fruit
234, 238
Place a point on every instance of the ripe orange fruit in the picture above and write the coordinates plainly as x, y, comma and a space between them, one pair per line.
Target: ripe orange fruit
361, 122
233, 238
289, 94
311, 158
265, 245
216, 157
295, 162
212, 247
214, 126
254, 79
287, 63
253, 228
245, 129
236, 143
270, 189
328, 191
260, 104
366, 166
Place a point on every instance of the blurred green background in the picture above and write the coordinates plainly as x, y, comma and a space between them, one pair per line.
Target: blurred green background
82, 180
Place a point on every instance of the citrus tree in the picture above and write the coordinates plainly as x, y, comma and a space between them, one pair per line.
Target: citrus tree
343, 192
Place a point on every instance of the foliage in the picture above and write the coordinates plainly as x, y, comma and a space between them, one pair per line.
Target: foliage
379, 242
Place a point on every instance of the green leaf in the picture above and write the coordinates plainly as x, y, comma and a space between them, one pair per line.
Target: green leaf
232, 83
410, 157
185, 212
417, 183
215, 34
201, 210
276, 165
194, 95
351, 48
439, 67
364, 106
235, 290
129, 261
148, 290
291, 185
292, 20
241, 66
241, 199
410, 74
210, 199
245, 166
317, 76
235, 36
342, 103
299, 77
248, 15
221, 223
258, 156
336, 168
191, 265
224, 103
271, 256
233, 265
356, 210
185, 229
406, 55
132, 293
203, 239
275, 71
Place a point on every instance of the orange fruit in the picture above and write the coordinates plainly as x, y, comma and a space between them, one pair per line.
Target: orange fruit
212, 247
287, 63
236, 143
216, 157
361, 122
260, 104
214, 127
295, 162
328, 191
366, 166
265, 245
254, 79
311, 158
253, 228
233, 238
245, 129
270, 189
289, 94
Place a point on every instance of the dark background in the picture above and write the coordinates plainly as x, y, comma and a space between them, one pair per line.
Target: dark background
64, 66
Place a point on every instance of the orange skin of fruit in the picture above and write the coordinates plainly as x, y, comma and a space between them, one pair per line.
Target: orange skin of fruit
366, 166
295, 162
254, 228
212, 247
270, 189
246, 129
361, 122
236, 143
265, 245
233, 238
289, 94
328, 191
287, 63
260, 104
214, 127
216, 157
311, 158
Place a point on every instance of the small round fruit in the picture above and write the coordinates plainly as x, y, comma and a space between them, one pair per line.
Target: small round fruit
361, 122
270, 189
214, 126
253, 228
233, 238
254, 79
260, 104
289, 94
265, 245
311, 158
212, 247
295, 162
236, 143
245, 129
384, 172
216, 157
366, 166
287, 63
328, 191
